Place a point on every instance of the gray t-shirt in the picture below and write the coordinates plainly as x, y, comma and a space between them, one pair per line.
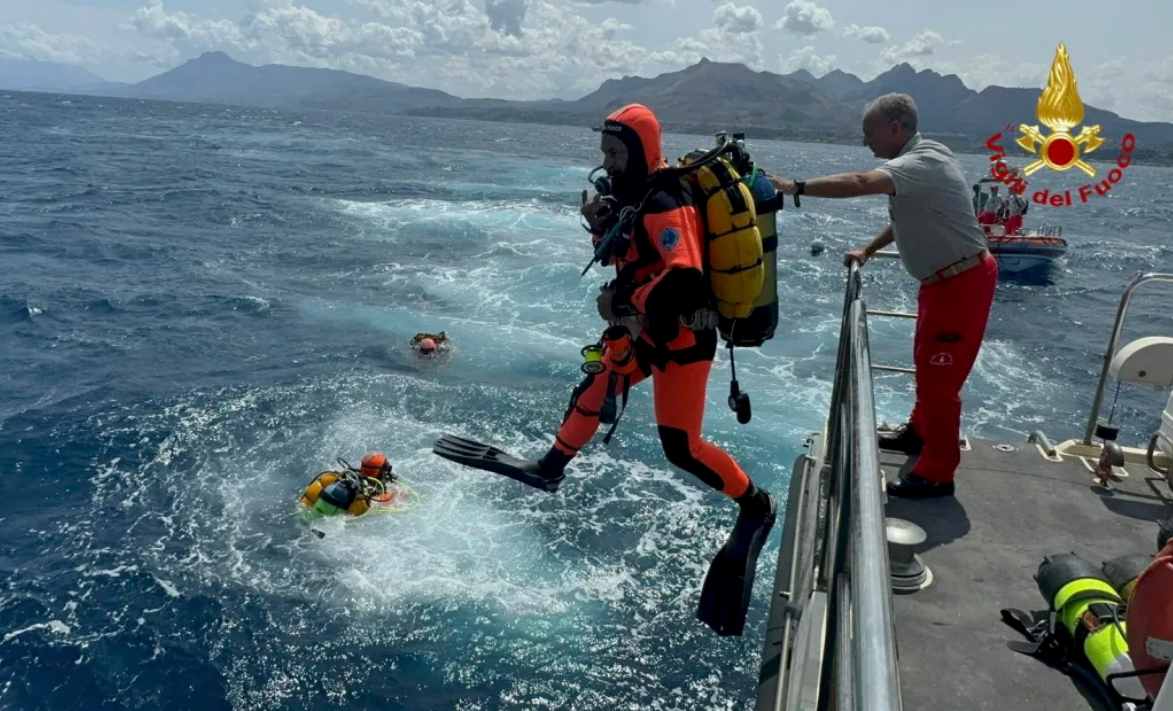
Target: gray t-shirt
932, 210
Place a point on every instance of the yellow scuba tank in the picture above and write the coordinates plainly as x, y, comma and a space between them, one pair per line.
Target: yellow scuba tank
733, 243
739, 211
1091, 611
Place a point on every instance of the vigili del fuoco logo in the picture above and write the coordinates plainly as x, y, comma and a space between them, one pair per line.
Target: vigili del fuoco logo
1061, 110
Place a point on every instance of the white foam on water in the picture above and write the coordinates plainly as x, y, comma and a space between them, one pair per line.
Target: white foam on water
54, 626
1015, 396
401, 218
623, 539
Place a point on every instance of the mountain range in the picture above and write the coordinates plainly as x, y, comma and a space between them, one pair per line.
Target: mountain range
703, 98
33, 75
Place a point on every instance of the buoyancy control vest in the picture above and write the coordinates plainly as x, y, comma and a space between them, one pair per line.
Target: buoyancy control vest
358, 504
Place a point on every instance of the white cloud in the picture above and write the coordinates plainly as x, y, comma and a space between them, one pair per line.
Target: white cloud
923, 45
986, 69
539, 48
1146, 95
1154, 97
802, 17
871, 35
29, 41
806, 58
520, 49
737, 20
732, 38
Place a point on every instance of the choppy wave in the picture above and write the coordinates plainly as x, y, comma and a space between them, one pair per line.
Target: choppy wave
194, 331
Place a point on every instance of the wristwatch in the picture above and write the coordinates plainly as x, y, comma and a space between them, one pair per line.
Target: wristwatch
800, 187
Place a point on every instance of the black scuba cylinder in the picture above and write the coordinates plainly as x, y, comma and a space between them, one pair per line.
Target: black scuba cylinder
1122, 572
340, 493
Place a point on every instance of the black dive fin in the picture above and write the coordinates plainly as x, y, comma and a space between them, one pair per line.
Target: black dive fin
729, 582
490, 459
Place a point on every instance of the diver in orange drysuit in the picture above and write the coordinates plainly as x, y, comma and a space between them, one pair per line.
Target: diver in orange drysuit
659, 280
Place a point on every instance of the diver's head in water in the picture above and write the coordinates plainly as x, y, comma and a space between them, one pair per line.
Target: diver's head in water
631, 149
426, 345
375, 466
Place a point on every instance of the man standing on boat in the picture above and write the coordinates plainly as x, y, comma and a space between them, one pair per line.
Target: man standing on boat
990, 212
930, 209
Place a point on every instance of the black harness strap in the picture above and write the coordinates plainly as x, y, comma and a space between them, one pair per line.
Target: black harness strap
1057, 651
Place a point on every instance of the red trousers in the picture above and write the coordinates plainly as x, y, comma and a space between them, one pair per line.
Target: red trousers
679, 394
1013, 224
950, 324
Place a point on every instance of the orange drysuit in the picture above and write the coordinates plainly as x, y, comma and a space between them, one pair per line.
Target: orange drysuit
660, 277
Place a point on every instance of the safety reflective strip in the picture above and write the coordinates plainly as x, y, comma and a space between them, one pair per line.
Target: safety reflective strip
1159, 648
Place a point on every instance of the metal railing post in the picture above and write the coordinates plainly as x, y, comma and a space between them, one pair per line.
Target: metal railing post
1098, 400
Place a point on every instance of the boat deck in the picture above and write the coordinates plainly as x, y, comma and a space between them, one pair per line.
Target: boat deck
984, 546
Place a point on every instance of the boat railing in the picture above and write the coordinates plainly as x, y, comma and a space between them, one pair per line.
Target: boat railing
856, 668
1113, 344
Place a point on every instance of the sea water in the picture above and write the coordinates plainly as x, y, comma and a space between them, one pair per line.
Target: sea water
201, 307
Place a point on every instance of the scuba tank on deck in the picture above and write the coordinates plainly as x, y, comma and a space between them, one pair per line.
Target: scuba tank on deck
1091, 611
1086, 627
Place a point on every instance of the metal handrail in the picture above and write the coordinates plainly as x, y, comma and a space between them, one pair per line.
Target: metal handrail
1112, 344
856, 667
877, 683
854, 560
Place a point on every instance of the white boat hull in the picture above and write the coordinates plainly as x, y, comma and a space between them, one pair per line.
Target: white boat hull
1014, 263
1024, 251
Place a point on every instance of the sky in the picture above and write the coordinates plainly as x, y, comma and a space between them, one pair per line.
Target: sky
530, 49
